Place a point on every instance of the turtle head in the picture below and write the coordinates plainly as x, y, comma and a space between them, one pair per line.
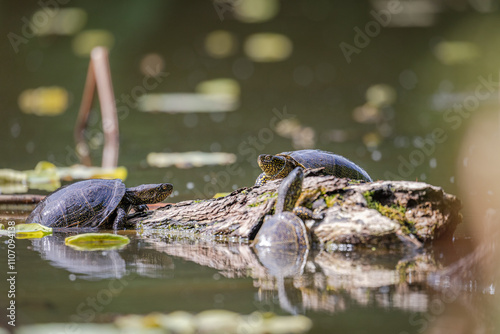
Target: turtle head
272, 165
148, 193
289, 190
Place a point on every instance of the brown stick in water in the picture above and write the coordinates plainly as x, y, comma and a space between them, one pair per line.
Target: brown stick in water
20, 199
99, 76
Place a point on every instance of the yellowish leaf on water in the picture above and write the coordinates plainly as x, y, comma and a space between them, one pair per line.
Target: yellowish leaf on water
33, 227
28, 231
12, 176
96, 241
80, 172
46, 176
31, 235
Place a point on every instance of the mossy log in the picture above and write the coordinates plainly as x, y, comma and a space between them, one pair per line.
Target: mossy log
377, 214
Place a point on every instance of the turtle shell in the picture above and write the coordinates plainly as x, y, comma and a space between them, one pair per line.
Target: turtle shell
334, 164
81, 204
282, 231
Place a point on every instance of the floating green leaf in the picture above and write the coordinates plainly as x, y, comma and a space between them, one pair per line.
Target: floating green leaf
96, 241
28, 231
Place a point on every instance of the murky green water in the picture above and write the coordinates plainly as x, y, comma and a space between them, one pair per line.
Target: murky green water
340, 291
399, 109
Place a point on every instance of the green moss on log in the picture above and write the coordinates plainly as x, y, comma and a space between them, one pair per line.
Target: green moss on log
394, 212
331, 200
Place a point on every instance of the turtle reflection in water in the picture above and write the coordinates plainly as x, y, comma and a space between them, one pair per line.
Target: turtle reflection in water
285, 229
280, 165
282, 243
96, 203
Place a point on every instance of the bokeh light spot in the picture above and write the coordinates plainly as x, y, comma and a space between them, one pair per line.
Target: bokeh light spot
152, 64
84, 42
252, 11
43, 101
268, 47
220, 44
380, 95
62, 21
453, 53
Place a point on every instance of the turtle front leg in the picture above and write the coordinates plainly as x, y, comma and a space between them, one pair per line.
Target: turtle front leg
305, 213
141, 208
119, 221
263, 178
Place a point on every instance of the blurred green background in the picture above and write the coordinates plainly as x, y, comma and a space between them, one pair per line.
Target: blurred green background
367, 80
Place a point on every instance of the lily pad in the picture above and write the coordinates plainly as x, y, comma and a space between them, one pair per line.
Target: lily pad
28, 231
33, 230
96, 241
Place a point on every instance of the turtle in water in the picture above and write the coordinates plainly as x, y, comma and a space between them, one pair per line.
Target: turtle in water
285, 229
96, 203
280, 165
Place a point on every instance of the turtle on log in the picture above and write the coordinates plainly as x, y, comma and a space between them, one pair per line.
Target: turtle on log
280, 165
96, 203
284, 229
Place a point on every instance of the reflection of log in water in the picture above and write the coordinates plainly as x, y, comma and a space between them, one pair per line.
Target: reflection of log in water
320, 281
326, 282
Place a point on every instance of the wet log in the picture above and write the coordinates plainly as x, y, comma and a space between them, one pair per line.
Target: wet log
382, 214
